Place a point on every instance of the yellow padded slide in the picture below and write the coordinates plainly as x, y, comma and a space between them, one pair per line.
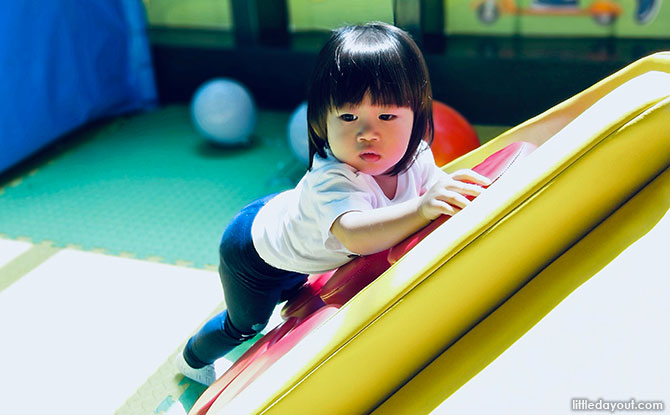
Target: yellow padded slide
595, 150
570, 355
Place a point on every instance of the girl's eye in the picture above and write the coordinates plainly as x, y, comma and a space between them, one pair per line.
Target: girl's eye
348, 117
387, 117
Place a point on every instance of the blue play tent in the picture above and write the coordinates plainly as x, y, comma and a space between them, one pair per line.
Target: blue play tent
64, 63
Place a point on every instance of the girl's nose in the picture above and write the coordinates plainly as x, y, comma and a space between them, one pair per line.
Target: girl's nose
366, 133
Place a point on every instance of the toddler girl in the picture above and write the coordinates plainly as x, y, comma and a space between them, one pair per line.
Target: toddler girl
372, 182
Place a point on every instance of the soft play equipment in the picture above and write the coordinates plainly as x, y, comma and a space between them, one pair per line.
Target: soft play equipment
325, 293
224, 112
453, 135
65, 64
382, 349
297, 133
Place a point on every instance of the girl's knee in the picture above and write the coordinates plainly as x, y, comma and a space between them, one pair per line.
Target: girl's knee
245, 333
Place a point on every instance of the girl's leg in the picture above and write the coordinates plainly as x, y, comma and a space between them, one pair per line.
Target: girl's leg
251, 288
247, 313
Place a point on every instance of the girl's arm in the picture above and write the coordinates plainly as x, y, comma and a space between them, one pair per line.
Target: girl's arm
374, 230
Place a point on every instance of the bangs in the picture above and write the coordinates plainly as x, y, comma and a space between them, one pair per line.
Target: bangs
367, 63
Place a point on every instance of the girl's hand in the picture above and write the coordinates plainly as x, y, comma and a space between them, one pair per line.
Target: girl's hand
447, 196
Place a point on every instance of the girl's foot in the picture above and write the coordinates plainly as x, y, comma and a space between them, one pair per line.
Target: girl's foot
205, 375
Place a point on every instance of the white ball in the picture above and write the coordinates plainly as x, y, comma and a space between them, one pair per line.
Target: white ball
297, 133
224, 112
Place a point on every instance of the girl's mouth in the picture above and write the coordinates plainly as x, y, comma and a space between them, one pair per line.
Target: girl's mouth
370, 157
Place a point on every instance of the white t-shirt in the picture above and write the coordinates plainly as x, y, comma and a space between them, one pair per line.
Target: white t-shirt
292, 231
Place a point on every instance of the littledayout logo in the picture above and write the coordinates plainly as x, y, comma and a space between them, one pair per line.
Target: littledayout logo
585, 404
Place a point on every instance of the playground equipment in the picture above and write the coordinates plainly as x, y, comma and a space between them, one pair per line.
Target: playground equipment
594, 151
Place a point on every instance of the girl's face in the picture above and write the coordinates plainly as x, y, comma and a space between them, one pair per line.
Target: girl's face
370, 138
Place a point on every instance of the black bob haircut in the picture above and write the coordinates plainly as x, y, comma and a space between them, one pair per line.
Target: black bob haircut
375, 57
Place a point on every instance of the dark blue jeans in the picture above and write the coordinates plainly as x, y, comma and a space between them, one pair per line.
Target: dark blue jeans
251, 287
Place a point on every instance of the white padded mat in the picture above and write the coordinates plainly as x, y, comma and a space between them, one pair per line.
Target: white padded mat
82, 331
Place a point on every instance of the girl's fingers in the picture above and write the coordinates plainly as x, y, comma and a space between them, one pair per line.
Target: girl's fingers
471, 176
455, 199
464, 188
445, 208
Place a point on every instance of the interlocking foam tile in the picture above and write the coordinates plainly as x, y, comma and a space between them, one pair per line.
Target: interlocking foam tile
168, 392
10, 250
148, 186
95, 325
165, 392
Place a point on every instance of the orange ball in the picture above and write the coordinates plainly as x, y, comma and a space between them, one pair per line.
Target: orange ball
453, 136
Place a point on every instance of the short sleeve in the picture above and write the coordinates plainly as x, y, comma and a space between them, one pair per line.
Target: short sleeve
334, 193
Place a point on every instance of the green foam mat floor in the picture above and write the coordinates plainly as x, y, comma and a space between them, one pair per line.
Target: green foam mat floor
147, 186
